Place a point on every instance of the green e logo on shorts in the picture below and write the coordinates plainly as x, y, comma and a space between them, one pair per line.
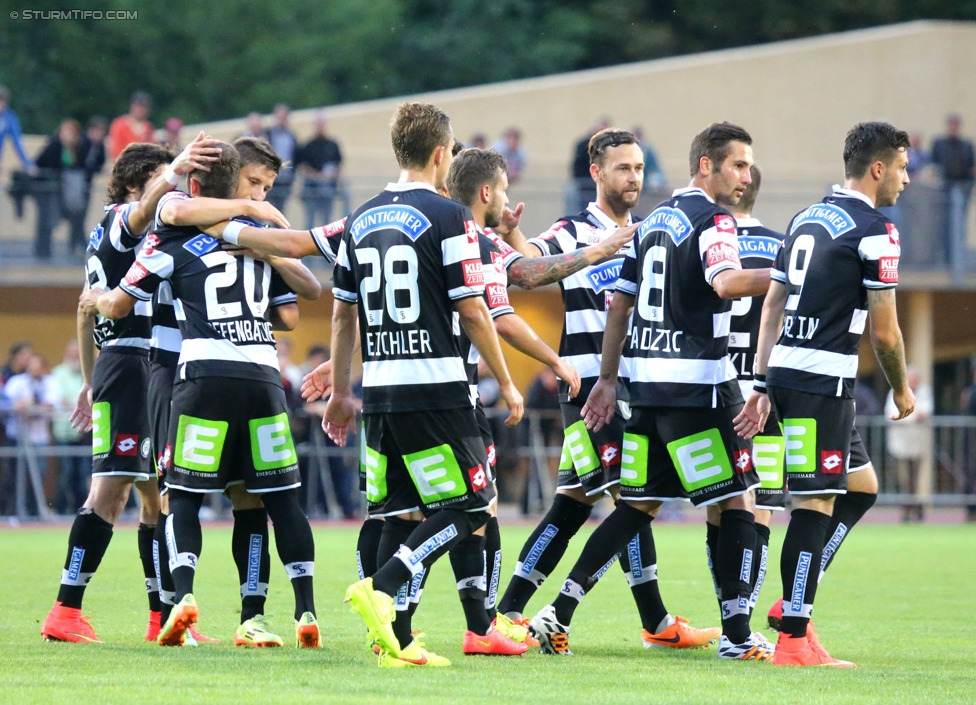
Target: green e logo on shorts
800, 438
436, 474
373, 467
633, 461
701, 460
767, 456
578, 446
199, 443
271, 444
101, 427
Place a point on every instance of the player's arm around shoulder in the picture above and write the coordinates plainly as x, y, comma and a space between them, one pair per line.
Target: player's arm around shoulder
889, 346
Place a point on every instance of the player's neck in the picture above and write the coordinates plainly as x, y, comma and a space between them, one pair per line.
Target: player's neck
425, 176
621, 219
859, 185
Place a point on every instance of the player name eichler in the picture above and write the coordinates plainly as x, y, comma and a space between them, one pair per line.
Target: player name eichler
398, 342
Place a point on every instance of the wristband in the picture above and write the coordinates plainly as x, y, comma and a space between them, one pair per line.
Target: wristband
759, 384
171, 177
231, 231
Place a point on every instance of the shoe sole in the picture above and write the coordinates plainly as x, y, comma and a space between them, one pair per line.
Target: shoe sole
185, 617
71, 638
252, 645
379, 630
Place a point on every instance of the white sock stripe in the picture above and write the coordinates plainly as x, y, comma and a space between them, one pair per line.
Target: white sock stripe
476, 582
182, 560
533, 576
256, 590
573, 589
300, 569
76, 579
152, 585
167, 597
739, 605
405, 555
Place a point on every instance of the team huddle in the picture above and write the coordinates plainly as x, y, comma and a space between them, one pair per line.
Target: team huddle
703, 358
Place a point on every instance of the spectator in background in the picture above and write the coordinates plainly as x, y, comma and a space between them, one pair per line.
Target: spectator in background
953, 157
171, 135
316, 355
967, 406
584, 187
17, 359
917, 157
510, 147
543, 395
10, 127
291, 374
654, 178
253, 126
478, 141
61, 189
285, 145
320, 161
134, 126
910, 441
72, 487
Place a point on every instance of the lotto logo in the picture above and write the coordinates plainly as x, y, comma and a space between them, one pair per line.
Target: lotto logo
490, 451
722, 252
471, 230
126, 444
893, 237
743, 461
831, 462
725, 224
888, 269
497, 296
610, 454
473, 275
479, 479
135, 274
150, 243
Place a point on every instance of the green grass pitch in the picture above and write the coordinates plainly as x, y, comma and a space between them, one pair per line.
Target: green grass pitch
899, 601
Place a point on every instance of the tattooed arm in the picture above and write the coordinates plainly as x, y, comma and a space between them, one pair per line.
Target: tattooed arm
889, 346
529, 273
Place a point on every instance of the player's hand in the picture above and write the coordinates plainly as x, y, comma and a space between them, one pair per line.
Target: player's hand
81, 417
618, 239
241, 251
263, 210
339, 418
197, 155
317, 384
568, 374
599, 408
88, 301
510, 220
752, 419
904, 403
513, 400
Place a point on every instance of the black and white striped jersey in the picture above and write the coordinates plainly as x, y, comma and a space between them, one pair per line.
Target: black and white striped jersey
834, 251
110, 252
221, 304
676, 353
406, 255
328, 237
496, 297
586, 294
758, 247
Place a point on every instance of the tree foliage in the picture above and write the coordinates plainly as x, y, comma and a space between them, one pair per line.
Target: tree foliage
222, 59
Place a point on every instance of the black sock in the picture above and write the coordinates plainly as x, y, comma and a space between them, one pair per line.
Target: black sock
161, 560
249, 545
543, 551
736, 546
145, 540
602, 548
493, 564
184, 535
428, 542
87, 543
802, 550
712, 532
367, 547
468, 561
848, 510
759, 561
639, 563
296, 547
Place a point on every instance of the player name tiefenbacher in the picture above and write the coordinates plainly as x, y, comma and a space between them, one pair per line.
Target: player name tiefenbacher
398, 342
244, 331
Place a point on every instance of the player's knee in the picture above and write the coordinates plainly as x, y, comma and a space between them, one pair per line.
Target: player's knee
865, 481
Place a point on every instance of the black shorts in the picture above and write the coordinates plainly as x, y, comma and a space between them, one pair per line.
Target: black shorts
425, 460
120, 426
685, 452
860, 460
768, 451
225, 431
159, 396
590, 460
488, 440
817, 430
